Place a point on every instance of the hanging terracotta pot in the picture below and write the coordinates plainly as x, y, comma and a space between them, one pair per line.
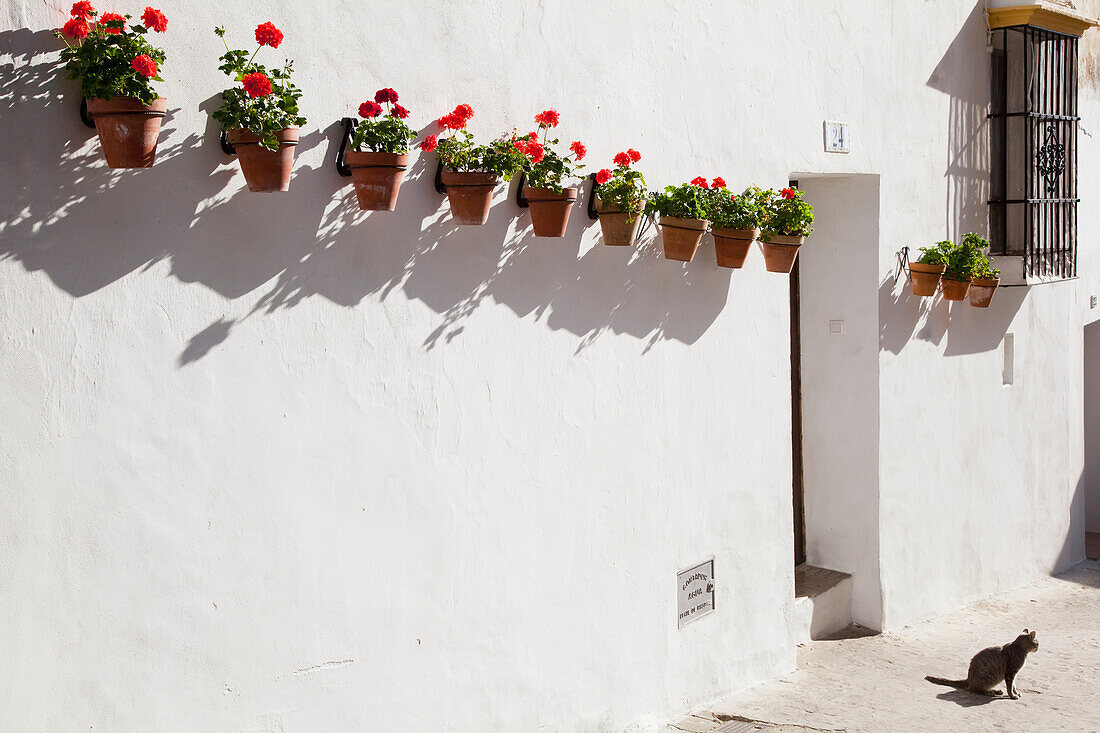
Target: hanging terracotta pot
470, 195
982, 291
128, 129
377, 178
926, 278
954, 289
681, 237
619, 228
550, 209
732, 245
264, 170
780, 252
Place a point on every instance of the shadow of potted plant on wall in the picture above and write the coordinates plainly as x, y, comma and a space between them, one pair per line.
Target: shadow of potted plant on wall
260, 117
115, 65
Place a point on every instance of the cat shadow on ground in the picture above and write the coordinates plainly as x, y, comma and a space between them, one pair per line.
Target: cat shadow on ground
968, 699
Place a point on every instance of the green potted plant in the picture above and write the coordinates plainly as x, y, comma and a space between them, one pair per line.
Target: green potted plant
378, 155
926, 272
620, 199
116, 66
683, 217
736, 220
549, 199
963, 261
986, 278
471, 171
789, 222
260, 116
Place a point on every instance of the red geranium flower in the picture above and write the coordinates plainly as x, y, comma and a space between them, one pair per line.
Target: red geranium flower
75, 28
256, 85
268, 35
578, 149
634, 154
533, 137
153, 18
453, 121
787, 193
463, 112
700, 182
733, 197
547, 118
603, 176
622, 159
718, 183
385, 95
520, 145
106, 18
536, 152
370, 109
144, 65
431, 142
82, 10
399, 112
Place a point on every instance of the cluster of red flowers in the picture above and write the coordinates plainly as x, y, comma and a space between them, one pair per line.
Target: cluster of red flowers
144, 65
268, 35
578, 149
256, 84
370, 109
548, 118
625, 158
384, 96
787, 193
79, 25
531, 147
431, 142
702, 183
154, 19
458, 118
603, 176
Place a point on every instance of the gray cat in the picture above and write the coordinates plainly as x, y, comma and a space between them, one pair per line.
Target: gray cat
991, 666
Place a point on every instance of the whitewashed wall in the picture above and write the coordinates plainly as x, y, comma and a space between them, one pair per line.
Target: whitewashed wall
272, 464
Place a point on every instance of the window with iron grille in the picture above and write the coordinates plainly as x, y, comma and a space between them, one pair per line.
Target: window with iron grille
1033, 137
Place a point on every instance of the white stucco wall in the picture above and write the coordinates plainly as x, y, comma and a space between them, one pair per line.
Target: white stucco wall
273, 464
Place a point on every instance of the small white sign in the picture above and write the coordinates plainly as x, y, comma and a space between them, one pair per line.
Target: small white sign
837, 137
695, 592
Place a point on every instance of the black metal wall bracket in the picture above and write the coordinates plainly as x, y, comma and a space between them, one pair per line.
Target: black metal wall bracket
521, 200
349, 129
440, 187
84, 116
227, 147
593, 214
903, 264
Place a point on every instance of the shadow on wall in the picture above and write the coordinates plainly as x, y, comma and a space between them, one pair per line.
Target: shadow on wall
968, 330
87, 226
963, 74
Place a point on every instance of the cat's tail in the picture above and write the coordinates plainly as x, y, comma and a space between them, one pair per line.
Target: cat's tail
950, 683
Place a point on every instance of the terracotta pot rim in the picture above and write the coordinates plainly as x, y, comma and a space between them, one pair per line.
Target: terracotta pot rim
957, 280
471, 179
568, 193
123, 105
726, 233
927, 269
677, 222
286, 136
988, 282
370, 159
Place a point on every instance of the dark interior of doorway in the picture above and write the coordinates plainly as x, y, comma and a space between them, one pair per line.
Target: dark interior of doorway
797, 487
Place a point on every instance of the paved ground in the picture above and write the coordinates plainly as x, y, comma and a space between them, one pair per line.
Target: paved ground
876, 683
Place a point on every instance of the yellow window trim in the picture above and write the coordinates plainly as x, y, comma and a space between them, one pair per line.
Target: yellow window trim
1051, 17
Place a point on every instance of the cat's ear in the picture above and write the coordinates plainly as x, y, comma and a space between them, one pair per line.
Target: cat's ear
1031, 634
1026, 631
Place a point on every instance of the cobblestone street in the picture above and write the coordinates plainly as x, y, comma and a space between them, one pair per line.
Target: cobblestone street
876, 683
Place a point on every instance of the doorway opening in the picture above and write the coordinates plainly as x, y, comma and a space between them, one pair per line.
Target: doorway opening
1092, 441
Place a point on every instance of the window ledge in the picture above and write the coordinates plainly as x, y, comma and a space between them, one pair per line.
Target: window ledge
1013, 275
1043, 14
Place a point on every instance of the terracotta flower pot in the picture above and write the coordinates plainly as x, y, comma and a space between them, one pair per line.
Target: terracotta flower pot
780, 252
619, 228
128, 130
732, 245
550, 209
982, 291
681, 237
377, 178
954, 289
926, 278
470, 195
265, 171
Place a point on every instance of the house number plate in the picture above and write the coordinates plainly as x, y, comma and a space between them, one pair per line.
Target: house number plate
837, 137
695, 592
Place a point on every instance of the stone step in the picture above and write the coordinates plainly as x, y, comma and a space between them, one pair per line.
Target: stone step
823, 603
